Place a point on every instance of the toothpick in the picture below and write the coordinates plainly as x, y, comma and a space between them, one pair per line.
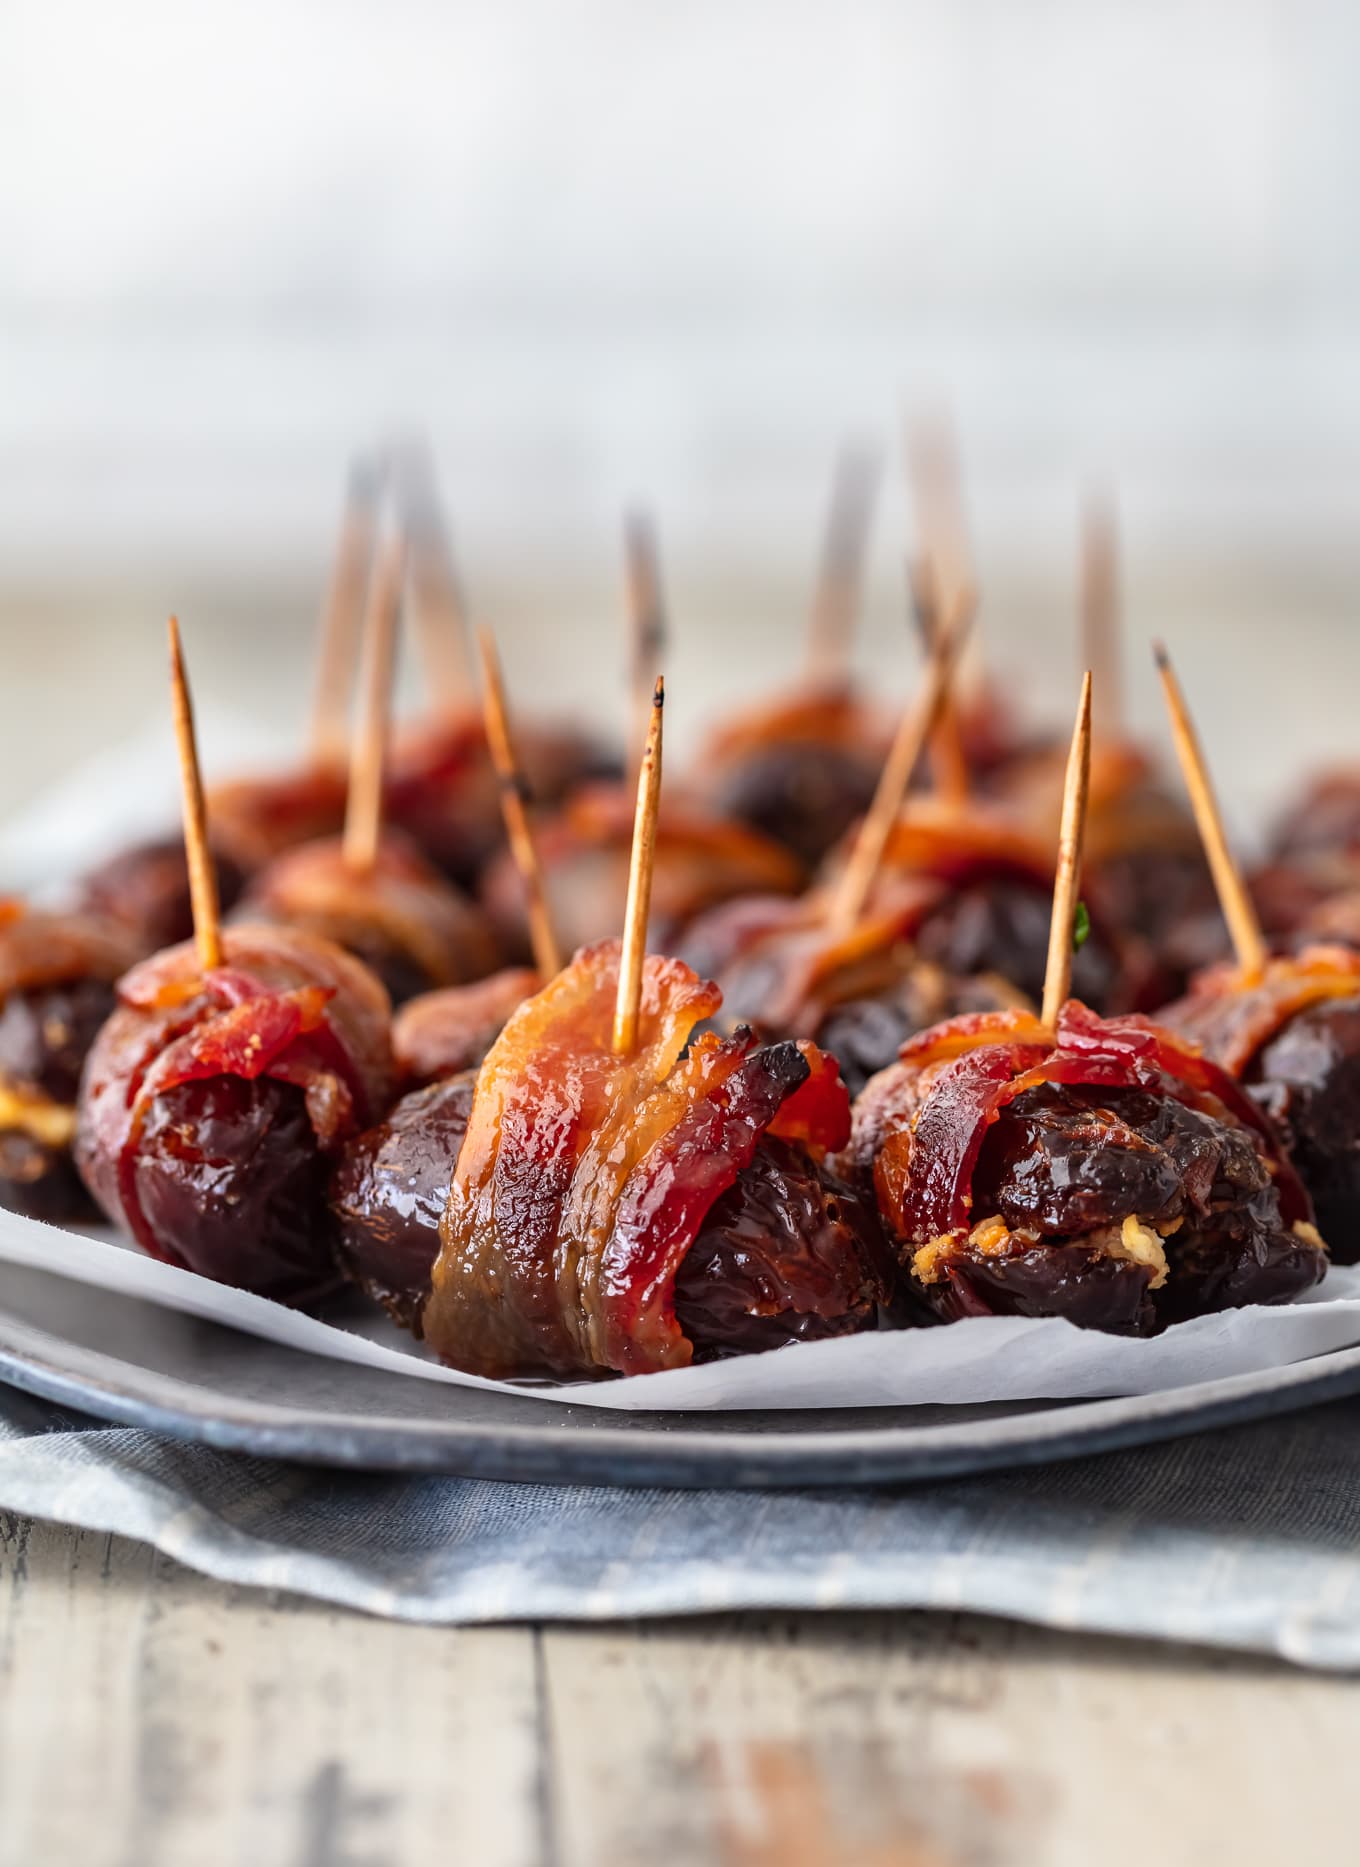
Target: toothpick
1100, 630
202, 872
937, 494
368, 754
837, 599
917, 722
1239, 912
1067, 881
640, 866
342, 613
949, 760
646, 619
514, 793
441, 615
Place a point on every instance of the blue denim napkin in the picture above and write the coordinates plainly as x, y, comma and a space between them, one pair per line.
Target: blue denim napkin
1248, 1538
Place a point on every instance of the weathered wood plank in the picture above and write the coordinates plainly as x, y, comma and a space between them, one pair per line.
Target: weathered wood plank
150, 1718
918, 1742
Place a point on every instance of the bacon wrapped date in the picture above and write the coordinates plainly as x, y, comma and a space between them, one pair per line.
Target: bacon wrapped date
442, 789
256, 819
1142, 856
987, 892
859, 996
800, 770
401, 917
700, 860
57, 976
146, 889
610, 1214
1112, 1175
213, 1105
1293, 1040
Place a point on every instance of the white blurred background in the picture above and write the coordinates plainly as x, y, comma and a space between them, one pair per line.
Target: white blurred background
603, 251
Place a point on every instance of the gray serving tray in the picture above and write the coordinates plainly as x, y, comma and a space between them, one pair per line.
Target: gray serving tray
136, 1363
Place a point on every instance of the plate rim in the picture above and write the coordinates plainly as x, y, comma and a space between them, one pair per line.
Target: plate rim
677, 1453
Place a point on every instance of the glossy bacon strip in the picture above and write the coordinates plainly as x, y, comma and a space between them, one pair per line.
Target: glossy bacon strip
39, 949
255, 819
830, 716
401, 906
1233, 1023
441, 1033
961, 1075
585, 1177
286, 1005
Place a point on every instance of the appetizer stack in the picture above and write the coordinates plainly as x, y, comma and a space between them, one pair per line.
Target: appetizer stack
578, 1079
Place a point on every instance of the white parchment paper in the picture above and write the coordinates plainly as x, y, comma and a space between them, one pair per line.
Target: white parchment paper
983, 1359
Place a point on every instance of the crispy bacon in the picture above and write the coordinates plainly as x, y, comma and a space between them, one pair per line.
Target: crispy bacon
285, 1005
1234, 1022
584, 1177
400, 915
823, 716
700, 860
252, 820
439, 1034
39, 949
962, 1074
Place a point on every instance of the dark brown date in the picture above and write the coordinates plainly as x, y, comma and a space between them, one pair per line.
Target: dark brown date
1308, 1079
788, 1254
803, 795
231, 1182
389, 1190
44, 1037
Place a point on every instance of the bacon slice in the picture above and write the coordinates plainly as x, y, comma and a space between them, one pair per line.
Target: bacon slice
252, 820
584, 1177
285, 1004
401, 907
1233, 1022
442, 1033
39, 949
955, 1080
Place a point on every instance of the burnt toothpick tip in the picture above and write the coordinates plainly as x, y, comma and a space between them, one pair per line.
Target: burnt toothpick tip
659, 693
1160, 656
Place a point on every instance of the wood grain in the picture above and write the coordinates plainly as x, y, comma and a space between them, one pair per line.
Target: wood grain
151, 1718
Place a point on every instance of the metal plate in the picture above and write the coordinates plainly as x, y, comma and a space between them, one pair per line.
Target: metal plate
131, 1362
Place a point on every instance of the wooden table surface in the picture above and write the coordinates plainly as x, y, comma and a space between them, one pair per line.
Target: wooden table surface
151, 1718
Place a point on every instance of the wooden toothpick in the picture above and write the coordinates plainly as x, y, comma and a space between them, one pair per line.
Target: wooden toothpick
368, 753
1100, 630
847, 904
646, 620
1244, 927
440, 603
514, 810
640, 866
949, 760
836, 602
343, 613
202, 872
1067, 881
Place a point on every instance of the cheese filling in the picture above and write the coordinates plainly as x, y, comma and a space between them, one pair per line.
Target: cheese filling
52, 1124
1133, 1241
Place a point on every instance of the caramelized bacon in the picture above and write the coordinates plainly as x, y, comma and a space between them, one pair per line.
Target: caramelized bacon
585, 1177
252, 820
700, 860
440, 1034
287, 1009
39, 949
401, 917
959, 1077
1234, 1023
